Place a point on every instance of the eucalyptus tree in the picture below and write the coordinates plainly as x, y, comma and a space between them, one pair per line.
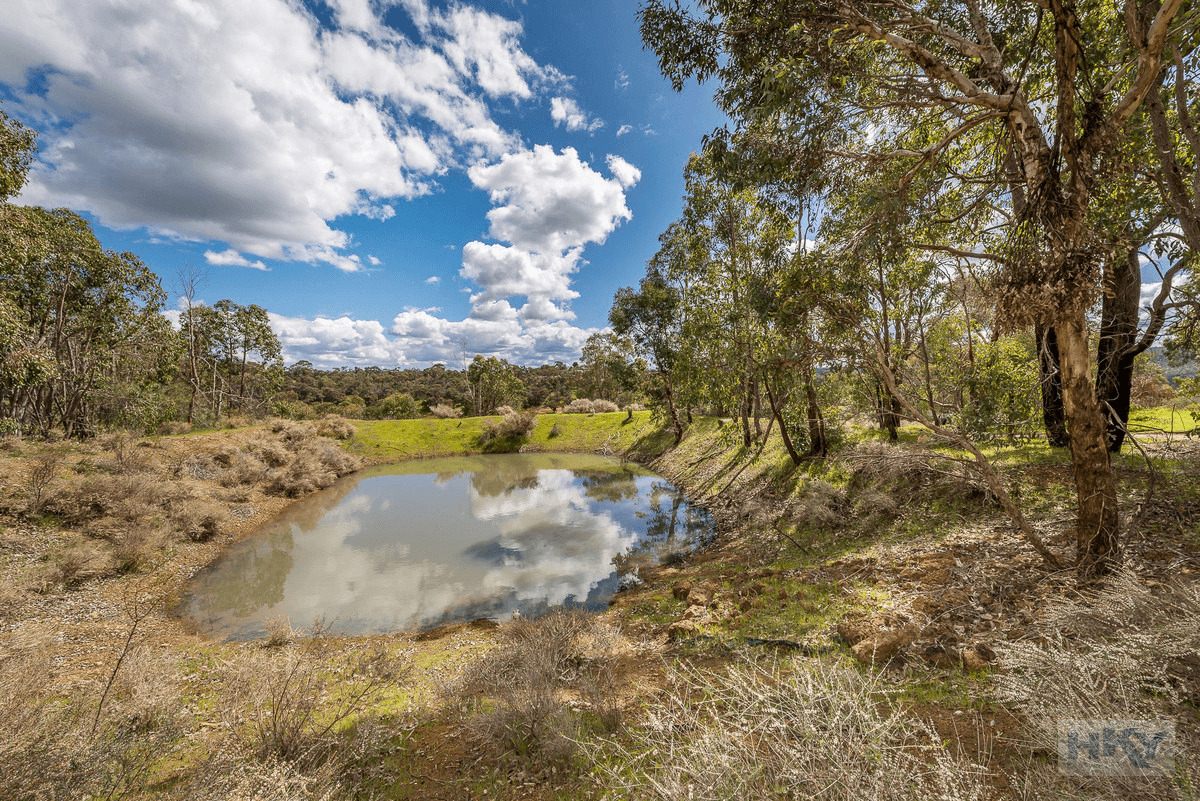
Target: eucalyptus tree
91, 312
612, 369
493, 382
1053, 84
649, 316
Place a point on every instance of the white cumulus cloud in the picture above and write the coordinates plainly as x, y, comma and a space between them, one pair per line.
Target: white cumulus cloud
231, 258
549, 202
566, 112
251, 124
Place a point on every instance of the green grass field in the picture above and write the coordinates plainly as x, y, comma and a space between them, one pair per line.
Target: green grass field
382, 441
1162, 418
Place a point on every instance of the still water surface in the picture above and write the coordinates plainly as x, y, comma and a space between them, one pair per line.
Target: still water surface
420, 544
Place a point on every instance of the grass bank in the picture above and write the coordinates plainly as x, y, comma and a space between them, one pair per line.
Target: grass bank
613, 433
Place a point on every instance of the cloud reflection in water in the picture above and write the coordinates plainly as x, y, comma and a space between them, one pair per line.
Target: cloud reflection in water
393, 548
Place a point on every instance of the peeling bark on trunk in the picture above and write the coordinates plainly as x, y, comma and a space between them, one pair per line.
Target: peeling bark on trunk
1097, 532
1054, 416
1115, 353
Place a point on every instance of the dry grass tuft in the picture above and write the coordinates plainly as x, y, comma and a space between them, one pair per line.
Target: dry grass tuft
514, 425
230, 776
198, 520
445, 411
816, 731
47, 752
293, 698
519, 691
134, 548
279, 632
316, 465
174, 428
333, 425
242, 469
270, 451
905, 472
824, 505
579, 406
292, 432
81, 561
1128, 652
42, 474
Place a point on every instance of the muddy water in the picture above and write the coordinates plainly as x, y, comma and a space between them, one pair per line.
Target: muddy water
420, 544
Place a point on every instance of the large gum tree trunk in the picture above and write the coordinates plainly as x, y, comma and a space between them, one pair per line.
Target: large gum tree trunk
1095, 486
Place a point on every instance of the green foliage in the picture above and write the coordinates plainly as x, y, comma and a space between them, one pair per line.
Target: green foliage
89, 320
397, 406
508, 433
1004, 390
18, 145
221, 339
493, 382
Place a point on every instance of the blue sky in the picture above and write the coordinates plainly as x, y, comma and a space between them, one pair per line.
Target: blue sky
399, 182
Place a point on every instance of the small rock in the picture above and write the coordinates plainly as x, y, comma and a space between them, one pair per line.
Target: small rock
884, 645
681, 628
985, 651
694, 612
942, 656
855, 631
696, 596
681, 590
973, 660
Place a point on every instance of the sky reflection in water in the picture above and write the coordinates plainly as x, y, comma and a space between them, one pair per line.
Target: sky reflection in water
420, 544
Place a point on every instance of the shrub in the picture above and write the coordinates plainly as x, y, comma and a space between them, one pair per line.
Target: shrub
294, 697
504, 410
229, 774
270, 451
1128, 652
198, 520
42, 473
81, 561
292, 409
600, 406
518, 689
397, 406
135, 546
243, 469
579, 406
514, 425
293, 433
315, 466
445, 411
335, 426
